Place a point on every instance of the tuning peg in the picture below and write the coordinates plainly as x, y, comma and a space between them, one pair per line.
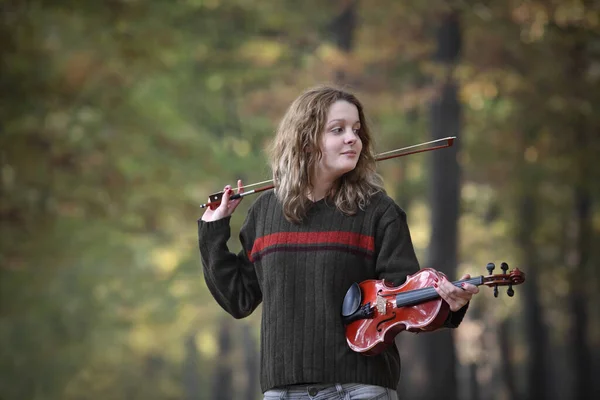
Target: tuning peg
510, 292
490, 267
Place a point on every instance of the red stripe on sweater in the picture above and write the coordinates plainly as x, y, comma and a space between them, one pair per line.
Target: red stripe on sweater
357, 240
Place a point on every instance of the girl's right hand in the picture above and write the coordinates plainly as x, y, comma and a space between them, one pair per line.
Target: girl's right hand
226, 208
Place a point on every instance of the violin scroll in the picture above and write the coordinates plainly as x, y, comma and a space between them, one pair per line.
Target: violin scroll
515, 277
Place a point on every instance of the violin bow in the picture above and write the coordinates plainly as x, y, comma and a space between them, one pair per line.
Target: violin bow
215, 198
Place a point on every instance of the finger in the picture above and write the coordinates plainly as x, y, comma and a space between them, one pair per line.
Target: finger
444, 291
452, 303
213, 207
234, 203
240, 189
231, 205
455, 294
462, 293
465, 276
469, 288
449, 287
451, 295
222, 200
225, 199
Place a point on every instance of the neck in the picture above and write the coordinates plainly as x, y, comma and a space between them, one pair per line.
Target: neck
320, 189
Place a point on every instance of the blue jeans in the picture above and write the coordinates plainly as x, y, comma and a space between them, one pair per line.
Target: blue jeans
349, 391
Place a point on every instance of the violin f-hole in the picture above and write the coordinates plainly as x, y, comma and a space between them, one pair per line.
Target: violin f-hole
383, 321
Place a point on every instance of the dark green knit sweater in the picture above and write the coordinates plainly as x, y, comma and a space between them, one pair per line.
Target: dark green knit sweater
301, 273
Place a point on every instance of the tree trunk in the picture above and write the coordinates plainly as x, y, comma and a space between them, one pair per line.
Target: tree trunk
342, 31
506, 366
191, 386
252, 363
438, 348
222, 385
581, 351
534, 328
582, 244
473, 385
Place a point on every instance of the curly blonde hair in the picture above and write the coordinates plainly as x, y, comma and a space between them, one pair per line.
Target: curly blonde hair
296, 150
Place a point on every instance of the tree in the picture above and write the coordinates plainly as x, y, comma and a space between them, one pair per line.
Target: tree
438, 348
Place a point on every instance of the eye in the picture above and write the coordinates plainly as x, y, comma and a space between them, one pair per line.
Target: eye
337, 129
356, 130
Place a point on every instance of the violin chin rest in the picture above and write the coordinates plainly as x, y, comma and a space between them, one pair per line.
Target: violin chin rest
352, 300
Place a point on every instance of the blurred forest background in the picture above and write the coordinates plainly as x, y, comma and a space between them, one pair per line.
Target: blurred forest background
119, 117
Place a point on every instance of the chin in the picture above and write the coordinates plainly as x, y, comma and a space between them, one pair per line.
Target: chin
347, 168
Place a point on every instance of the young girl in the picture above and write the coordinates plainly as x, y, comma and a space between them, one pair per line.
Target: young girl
327, 224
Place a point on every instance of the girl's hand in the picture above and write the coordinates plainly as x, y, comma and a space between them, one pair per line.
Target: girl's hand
226, 208
455, 297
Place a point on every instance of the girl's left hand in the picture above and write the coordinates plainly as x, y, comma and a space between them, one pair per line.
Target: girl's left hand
456, 297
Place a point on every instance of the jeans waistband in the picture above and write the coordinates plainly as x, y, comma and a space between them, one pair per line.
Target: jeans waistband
304, 386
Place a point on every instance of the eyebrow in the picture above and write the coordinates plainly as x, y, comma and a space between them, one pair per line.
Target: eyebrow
341, 120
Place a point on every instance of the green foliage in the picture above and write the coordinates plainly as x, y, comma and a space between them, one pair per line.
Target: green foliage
120, 117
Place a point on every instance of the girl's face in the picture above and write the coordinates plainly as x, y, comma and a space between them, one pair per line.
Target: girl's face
340, 142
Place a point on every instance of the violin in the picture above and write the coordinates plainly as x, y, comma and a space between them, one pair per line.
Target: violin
375, 312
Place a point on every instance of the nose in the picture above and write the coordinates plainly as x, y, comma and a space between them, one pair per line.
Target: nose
350, 136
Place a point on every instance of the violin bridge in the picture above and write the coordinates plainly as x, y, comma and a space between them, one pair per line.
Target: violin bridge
381, 305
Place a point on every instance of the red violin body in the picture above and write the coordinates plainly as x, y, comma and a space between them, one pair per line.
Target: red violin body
372, 335
374, 312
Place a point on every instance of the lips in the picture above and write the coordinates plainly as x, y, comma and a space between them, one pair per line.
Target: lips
349, 153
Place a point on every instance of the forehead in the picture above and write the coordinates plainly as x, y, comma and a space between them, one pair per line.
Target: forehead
343, 110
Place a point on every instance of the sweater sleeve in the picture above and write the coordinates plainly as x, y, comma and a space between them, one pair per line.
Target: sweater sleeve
231, 278
396, 258
455, 317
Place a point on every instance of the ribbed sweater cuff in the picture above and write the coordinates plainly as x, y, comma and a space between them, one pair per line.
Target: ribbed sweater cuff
455, 318
212, 226
211, 234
